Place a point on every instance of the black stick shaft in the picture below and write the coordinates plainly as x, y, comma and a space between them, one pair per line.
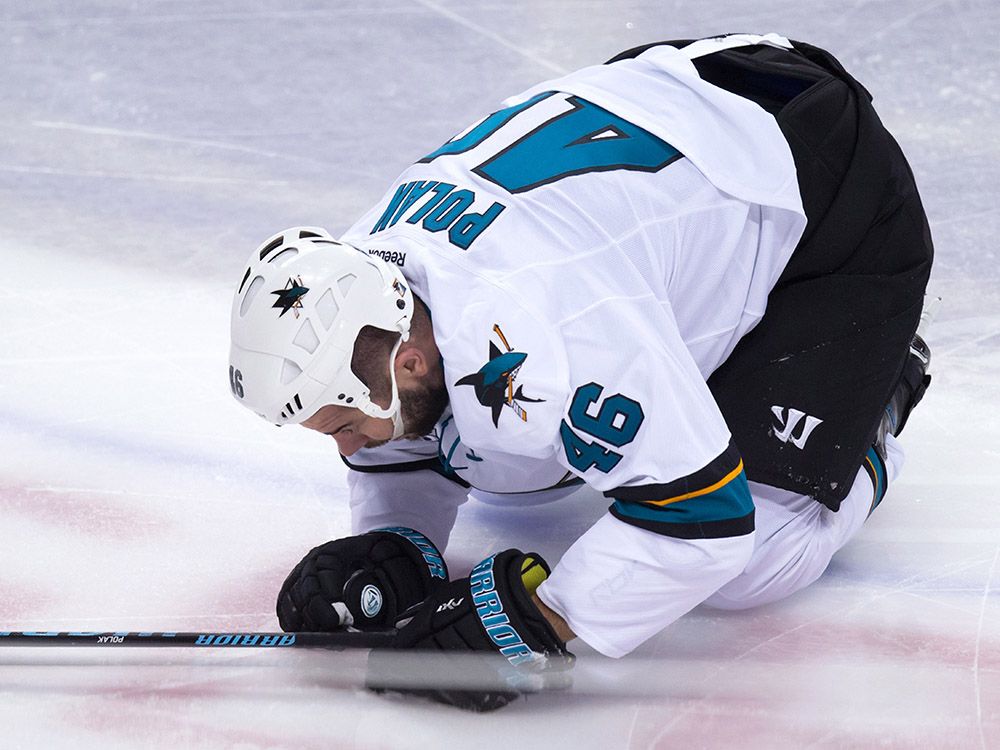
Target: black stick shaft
335, 641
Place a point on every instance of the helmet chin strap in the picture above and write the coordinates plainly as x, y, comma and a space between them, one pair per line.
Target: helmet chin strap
395, 409
396, 406
397, 424
393, 412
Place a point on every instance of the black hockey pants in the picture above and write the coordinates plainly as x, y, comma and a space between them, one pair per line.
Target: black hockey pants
839, 321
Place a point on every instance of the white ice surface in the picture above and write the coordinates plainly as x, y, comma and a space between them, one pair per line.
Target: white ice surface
146, 147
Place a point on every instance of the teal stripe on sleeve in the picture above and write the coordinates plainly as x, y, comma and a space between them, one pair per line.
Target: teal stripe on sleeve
727, 511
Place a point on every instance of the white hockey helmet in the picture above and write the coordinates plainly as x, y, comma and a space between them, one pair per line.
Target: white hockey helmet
296, 315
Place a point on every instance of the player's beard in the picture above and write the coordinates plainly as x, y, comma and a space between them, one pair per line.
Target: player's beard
421, 407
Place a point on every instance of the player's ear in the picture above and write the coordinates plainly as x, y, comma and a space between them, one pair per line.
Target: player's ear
411, 365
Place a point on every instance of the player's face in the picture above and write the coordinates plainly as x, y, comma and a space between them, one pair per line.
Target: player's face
422, 402
351, 428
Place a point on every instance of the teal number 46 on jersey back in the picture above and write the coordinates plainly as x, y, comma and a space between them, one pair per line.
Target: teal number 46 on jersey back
583, 138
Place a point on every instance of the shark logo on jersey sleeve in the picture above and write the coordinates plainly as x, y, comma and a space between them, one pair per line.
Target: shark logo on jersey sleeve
494, 381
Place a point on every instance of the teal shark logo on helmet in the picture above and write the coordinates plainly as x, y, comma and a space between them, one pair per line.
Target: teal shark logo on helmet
493, 383
290, 298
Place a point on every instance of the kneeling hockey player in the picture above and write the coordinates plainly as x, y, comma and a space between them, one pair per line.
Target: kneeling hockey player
690, 278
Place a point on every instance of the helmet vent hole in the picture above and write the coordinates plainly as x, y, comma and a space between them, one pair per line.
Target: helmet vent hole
327, 309
271, 246
243, 281
306, 233
252, 291
289, 371
285, 255
345, 283
306, 338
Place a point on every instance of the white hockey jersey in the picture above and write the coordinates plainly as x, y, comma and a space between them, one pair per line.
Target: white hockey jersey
590, 254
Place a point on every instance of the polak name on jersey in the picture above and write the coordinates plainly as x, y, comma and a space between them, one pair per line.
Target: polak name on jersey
439, 207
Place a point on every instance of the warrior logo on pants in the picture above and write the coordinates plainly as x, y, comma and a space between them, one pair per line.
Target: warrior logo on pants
784, 429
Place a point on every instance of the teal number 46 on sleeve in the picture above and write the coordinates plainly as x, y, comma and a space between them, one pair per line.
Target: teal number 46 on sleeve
616, 423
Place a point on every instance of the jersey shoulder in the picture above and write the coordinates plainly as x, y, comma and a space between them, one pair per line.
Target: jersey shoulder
505, 369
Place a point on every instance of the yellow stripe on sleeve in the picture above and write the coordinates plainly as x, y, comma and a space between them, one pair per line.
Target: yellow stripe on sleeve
704, 491
874, 481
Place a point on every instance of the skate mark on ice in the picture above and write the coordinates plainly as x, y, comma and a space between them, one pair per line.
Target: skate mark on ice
364, 11
971, 342
962, 219
149, 176
205, 143
903, 587
492, 36
684, 712
866, 41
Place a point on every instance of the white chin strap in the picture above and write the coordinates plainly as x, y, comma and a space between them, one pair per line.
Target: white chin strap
395, 408
397, 423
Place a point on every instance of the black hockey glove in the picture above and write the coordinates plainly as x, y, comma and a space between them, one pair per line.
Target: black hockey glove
490, 611
365, 581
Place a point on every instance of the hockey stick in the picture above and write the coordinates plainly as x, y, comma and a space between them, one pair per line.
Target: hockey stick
399, 670
333, 641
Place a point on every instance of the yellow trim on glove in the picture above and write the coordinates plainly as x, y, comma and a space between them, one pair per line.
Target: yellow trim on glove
532, 574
